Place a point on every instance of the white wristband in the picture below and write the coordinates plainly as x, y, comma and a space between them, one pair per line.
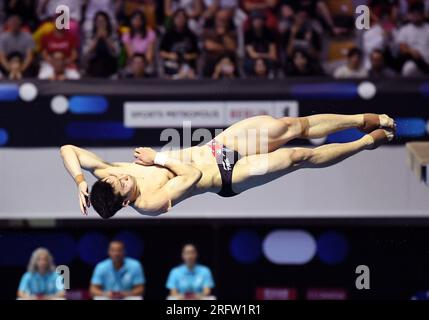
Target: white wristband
160, 159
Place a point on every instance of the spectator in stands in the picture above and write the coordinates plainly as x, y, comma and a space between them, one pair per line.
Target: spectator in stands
15, 60
15, 40
58, 69
59, 40
190, 280
260, 43
93, 7
137, 68
382, 10
285, 18
413, 42
218, 41
253, 5
301, 35
150, 8
179, 46
405, 5
353, 68
40, 282
185, 72
315, 9
378, 67
101, 50
261, 70
46, 10
226, 68
193, 8
213, 6
140, 38
301, 64
379, 36
26, 9
230, 11
118, 276
265, 7
43, 29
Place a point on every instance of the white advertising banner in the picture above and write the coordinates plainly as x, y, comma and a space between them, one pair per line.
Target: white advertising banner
173, 114
202, 113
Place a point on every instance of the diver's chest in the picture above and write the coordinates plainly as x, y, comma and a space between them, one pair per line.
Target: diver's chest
153, 180
150, 176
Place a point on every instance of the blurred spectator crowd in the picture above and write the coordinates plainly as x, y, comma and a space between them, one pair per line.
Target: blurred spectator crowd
218, 39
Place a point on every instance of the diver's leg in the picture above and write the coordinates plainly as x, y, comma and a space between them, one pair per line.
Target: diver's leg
256, 170
264, 134
320, 125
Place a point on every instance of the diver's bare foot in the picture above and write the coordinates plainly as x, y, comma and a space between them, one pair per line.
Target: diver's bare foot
387, 122
372, 121
379, 137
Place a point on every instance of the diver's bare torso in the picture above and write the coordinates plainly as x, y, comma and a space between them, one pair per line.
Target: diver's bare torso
153, 178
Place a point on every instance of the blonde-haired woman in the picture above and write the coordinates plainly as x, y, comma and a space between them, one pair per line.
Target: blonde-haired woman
40, 281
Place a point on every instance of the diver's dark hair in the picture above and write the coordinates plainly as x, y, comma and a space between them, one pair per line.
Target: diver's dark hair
104, 200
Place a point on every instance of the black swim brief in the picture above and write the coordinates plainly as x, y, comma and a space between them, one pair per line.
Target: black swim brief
226, 160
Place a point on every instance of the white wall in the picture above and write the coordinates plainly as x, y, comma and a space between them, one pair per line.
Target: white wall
34, 184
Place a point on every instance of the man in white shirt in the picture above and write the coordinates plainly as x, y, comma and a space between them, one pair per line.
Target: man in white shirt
380, 36
413, 43
353, 67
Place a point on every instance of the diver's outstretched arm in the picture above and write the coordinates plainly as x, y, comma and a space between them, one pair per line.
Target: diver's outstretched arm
75, 159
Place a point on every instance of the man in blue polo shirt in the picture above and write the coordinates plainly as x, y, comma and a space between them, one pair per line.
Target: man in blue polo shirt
117, 277
190, 280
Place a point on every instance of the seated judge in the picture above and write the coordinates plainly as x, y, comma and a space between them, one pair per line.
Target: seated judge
190, 280
41, 282
117, 277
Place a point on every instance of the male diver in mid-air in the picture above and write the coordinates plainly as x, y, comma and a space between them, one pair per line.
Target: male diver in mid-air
231, 163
